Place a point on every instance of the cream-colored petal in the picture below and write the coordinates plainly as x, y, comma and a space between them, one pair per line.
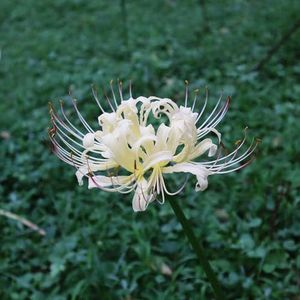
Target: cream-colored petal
158, 158
128, 110
106, 181
163, 105
206, 130
141, 197
162, 136
202, 147
202, 183
108, 121
185, 121
88, 140
81, 172
201, 173
120, 151
147, 141
183, 154
212, 150
89, 168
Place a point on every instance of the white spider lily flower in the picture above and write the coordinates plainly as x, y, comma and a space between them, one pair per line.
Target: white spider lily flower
126, 153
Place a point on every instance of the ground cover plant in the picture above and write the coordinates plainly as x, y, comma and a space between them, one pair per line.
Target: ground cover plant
95, 247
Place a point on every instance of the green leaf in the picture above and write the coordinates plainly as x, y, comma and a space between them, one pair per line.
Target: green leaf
246, 242
256, 222
290, 245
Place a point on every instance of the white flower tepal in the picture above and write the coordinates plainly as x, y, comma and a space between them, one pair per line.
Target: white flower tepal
126, 153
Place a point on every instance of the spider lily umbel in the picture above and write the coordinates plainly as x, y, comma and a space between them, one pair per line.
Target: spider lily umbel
129, 153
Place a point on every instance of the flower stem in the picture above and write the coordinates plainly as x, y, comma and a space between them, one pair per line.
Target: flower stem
197, 247
23, 221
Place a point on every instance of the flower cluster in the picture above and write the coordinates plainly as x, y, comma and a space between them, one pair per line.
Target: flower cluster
129, 152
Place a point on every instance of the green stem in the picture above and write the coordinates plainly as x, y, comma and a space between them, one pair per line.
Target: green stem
197, 247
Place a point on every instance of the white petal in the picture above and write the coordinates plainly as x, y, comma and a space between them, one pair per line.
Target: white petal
206, 130
88, 140
88, 168
186, 114
202, 183
80, 173
162, 136
98, 135
185, 120
212, 150
108, 121
141, 198
162, 105
162, 158
105, 181
201, 173
147, 141
183, 154
83, 170
148, 130
120, 151
202, 147
163, 132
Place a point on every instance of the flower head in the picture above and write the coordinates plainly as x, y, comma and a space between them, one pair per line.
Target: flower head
140, 140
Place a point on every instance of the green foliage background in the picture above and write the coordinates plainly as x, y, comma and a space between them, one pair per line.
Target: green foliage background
96, 247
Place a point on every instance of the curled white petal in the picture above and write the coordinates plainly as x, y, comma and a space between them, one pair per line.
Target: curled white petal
159, 158
90, 168
201, 173
141, 197
212, 150
202, 147
100, 181
88, 140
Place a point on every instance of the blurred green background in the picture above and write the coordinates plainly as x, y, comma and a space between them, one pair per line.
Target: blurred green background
96, 247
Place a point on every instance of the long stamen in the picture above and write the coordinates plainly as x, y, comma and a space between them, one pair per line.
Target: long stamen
186, 92
120, 85
161, 180
178, 191
239, 144
62, 153
81, 118
95, 95
68, 145
108, 100
113, 93
204, 106
216, 119
96, 159
211, 114
130, 89
56, 121
68, 121
237, 168
59, 122
57, 130
233, 162
116, 188
195, 98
